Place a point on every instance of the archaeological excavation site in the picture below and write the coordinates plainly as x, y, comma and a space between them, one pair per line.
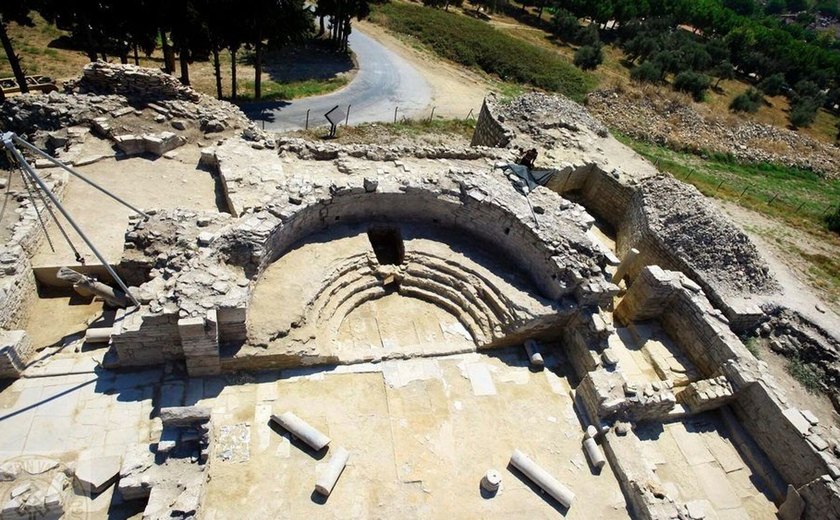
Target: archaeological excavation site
266, 325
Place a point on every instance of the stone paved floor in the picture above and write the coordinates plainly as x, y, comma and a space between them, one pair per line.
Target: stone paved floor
421, 434
698, 463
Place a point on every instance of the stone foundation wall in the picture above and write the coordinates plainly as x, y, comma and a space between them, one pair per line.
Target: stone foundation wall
15, 352
707, 394
142, 339
488, 131
17, 287
603, 194
685, 314
200, 343
798, 447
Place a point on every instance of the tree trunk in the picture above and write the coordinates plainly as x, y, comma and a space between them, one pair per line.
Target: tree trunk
233, 74
218, 70
124, 58
14, 59
258, 70
540, 11
321, 26
168, 55
136, 56
184, 57
90, 44
345, 45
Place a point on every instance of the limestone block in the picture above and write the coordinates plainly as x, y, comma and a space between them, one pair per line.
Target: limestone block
178, 416
130, 144
95, 473
135, 477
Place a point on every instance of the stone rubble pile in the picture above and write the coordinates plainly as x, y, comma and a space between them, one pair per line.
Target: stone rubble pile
691, 227
108, 93
130, 81
672, 121
789, 334
533, 110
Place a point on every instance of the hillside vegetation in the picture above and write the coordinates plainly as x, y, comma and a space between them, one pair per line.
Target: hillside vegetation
474, 43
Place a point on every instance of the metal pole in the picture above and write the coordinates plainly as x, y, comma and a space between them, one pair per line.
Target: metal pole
307, 119
395, 113
7, 141
469, 115
11, 136
346, 119
432, 114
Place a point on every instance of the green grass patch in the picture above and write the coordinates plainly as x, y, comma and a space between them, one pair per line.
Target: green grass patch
799, 197
804, 374
273, 91
476, 44
754, 346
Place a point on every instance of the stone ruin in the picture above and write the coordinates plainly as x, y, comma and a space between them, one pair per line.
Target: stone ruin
447, 227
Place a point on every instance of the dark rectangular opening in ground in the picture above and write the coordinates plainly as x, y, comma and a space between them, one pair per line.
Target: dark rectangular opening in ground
387, 244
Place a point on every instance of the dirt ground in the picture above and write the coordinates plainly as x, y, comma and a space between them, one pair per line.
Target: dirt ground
777, 243
160, 184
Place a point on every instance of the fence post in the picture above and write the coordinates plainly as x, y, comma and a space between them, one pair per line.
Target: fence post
469, 115
395, 114
690, 173
719, 185
800, 207
346, 119
774, 198
432, 115
307, 119
742, 193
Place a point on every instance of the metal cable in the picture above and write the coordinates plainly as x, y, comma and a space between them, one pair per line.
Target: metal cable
79, 257
37, 211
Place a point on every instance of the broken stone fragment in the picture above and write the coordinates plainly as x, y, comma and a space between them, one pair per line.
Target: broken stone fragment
95, 473
179, 416
135, 479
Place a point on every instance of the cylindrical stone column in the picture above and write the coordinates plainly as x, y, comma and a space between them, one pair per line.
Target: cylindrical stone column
100, 335
593, 451
302, 430
542, 478
532, 348
491, 481
325, 484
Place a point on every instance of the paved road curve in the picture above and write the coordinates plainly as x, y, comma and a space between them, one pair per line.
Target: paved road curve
384, 81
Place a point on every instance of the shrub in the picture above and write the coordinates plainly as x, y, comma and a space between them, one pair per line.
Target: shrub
772, 85
748, 101
693, 83
803, 112
565, 24
587, 35
589, 57
647, 72
832, 220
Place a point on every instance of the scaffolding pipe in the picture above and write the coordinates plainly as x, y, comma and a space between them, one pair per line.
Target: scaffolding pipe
7, 142
69, 170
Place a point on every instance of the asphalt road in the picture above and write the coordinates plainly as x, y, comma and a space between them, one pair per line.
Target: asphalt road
383, 81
